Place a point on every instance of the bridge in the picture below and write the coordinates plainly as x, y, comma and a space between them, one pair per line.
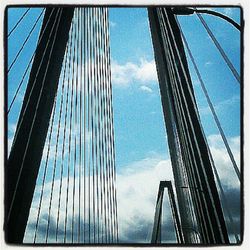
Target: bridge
65, 133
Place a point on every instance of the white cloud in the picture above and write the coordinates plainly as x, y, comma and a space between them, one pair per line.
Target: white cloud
146, 71
10, 140
126, 74
12, 128
137, 187
43, 218
11, 132
20, 97
227, 11
112, 24
220, 106
222, 161
208, 63
146, 89
235, 99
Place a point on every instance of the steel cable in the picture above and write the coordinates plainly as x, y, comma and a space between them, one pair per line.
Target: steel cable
29, 63
204, 171
75, 80
70, 133
211, 107
218, 46
84, 152
113, 167
18, 22
203, 204
25, 41
34, 118
221, 131
64, 132
46, 164
177, 106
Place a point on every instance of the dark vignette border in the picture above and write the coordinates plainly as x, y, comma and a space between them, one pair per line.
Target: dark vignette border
242, 24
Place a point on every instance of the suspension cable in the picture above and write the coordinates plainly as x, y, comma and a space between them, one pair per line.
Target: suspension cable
89, 121
113, 141
45, 172
102, 133
18, 22
71, 81
29, 64
189, 11
25, 41
68, 56
80, 131
218, 46
32, 122
236, 25
82, 163
195, 140
211, 107
75, 79
84, 120
46, 162
96, 137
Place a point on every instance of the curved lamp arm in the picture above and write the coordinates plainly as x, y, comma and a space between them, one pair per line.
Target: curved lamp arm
189, 11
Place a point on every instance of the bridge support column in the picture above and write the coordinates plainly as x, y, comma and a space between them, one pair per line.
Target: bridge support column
26, 152
198, 199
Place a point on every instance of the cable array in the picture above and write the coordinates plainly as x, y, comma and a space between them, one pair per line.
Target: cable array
28, 67
236, 169
25, 42
75, 197
26, 71
199, 205
18, 22
224, 199
218, 46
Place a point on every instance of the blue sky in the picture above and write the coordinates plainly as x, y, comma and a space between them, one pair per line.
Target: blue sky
142, 157
137, 106
130, 42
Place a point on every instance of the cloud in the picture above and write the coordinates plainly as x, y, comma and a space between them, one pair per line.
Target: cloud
228, 178
146, 89
220, 106
128, 73
12, 128
67, 197
112, 24
227, 11
11, 132
10, 140
146, 71
222, 160
228, 102
208, 63
137, 187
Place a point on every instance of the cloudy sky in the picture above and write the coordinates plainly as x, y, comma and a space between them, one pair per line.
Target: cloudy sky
142, 155
138, 112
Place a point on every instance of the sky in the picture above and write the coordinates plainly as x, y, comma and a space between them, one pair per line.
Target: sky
138, 112
142, 155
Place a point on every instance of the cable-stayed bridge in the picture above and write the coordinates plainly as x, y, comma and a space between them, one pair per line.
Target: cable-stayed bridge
65, 134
